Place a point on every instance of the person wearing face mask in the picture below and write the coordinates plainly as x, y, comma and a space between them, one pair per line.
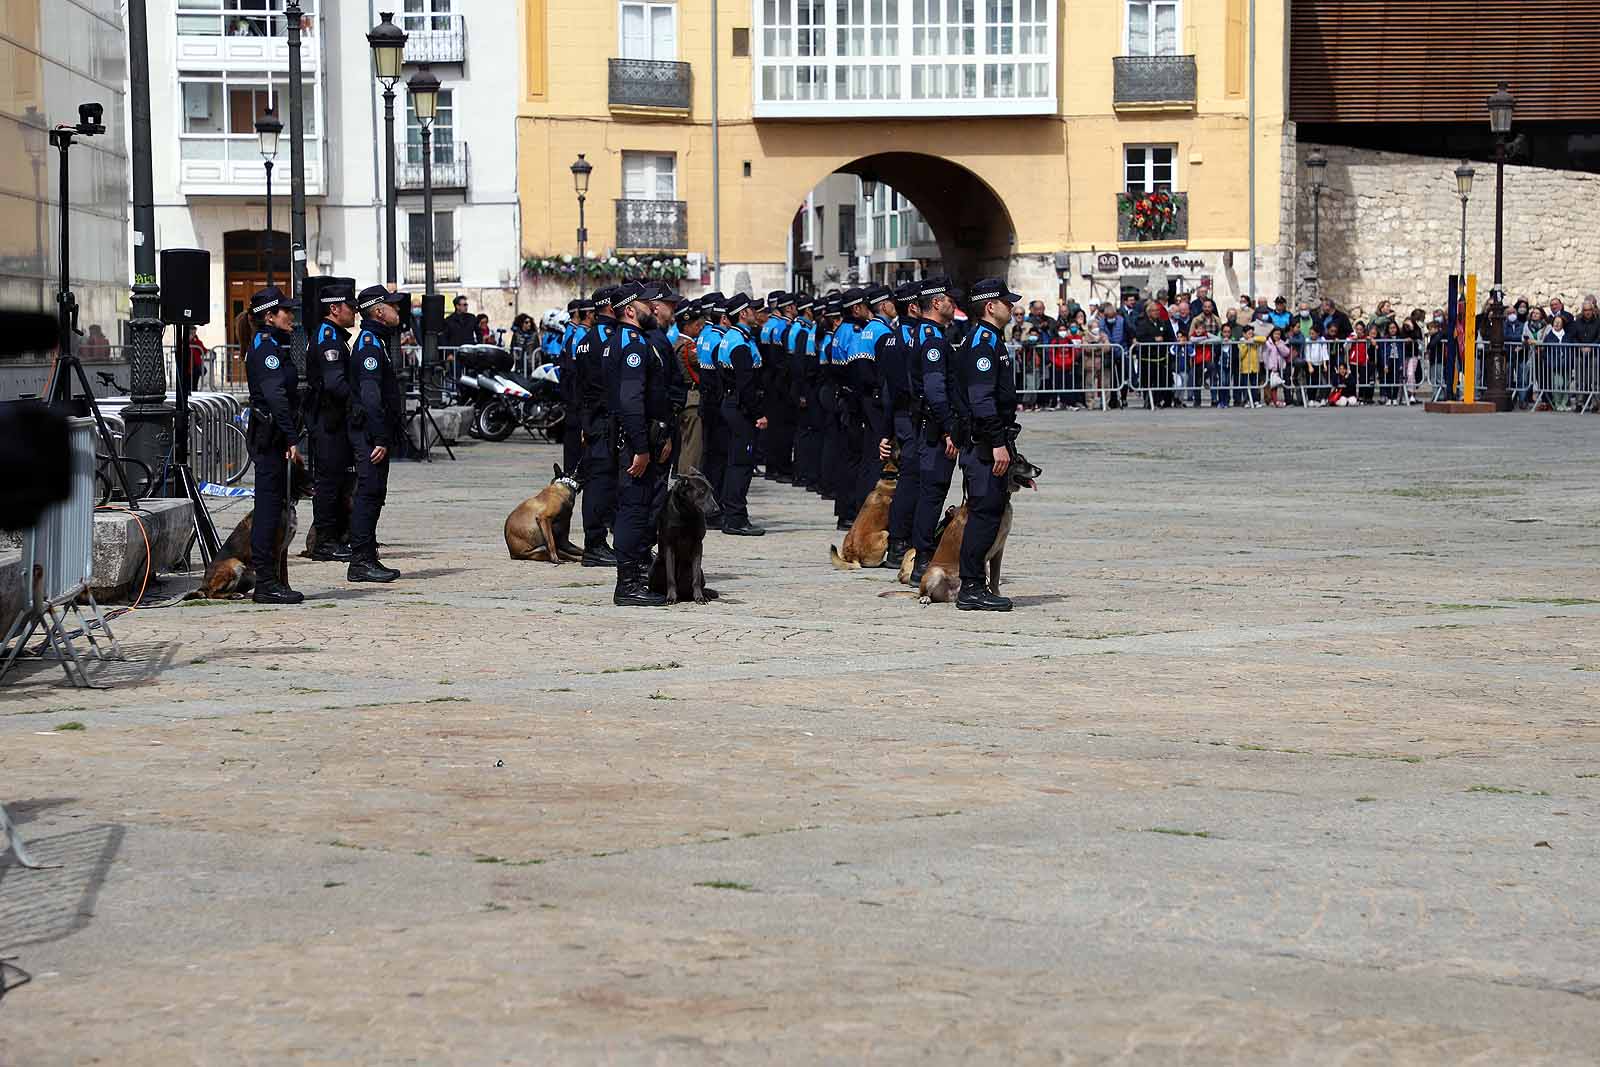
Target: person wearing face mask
1533, 333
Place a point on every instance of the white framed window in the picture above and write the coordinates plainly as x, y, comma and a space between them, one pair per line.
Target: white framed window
227, 104
444, 233
423, 15
820, 232
1150, 168
649, 176
647, 29
444, 130
1152, 27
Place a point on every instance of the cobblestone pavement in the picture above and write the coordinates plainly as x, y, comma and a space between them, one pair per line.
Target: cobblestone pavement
1289, 754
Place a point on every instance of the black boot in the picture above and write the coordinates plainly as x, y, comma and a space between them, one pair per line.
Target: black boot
633, 589
744, 529
897, 552
599, 555
331, 550
370, 570
975, 596
271, 591
919, 568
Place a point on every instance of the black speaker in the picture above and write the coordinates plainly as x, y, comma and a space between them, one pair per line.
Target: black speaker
433, 313
185, 286
311, 294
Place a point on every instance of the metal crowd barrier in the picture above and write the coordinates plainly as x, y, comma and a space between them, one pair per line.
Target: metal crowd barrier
218, 451
58, 561
1212, 372
1546, 375
1070, 375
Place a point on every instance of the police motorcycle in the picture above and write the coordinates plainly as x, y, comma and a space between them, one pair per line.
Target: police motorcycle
544, 413
484, 380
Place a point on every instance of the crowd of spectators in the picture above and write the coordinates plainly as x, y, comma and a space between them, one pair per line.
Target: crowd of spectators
1188, 351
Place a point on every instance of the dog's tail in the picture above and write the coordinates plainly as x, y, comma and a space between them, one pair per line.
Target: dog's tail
898, 592
839, 562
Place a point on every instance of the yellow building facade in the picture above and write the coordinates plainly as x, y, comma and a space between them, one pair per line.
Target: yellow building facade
1018, 128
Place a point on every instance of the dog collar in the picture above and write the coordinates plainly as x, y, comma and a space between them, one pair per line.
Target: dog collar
570, 483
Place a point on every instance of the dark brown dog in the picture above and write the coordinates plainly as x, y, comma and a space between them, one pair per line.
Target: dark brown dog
680, 540
943, 576
543, 521
232, 574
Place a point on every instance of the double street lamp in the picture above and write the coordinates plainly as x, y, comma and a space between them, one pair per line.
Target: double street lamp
1501, 107
268, 129
580, 182
388, 43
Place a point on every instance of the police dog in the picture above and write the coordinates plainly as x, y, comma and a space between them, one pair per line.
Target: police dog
347, 505
680, 539
232, 574
538, 528
867, 543
943, 577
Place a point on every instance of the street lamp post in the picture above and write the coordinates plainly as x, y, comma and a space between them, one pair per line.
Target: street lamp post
1501, 106
297, 157
581, 171
1464, 175
1317, 166
268, 129
423, 89
388, 43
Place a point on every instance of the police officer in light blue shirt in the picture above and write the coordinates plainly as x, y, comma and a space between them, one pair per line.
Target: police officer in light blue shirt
739, 360
853, 316
714, 432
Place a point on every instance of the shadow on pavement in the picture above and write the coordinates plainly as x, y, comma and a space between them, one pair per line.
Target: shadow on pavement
46, 905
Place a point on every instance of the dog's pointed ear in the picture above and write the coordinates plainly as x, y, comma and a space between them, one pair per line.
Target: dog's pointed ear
559, 475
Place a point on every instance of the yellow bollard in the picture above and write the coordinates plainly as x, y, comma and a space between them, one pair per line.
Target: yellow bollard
1469, 343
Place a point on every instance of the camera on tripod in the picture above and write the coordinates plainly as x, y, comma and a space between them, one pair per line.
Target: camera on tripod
89, 119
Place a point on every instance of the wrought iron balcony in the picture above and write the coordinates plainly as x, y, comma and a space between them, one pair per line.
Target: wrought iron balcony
653, 225
450, 169
1153, 83
446, 262
649, 83
1156, 226
435, 38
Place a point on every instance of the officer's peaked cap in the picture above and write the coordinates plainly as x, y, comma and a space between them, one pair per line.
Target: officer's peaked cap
938, 285
625, 294
877, 294
271, 299
337, 292
851, 298
778, 298
602, 297
907, 293
736, 303
373, 295
993, 289
687, 310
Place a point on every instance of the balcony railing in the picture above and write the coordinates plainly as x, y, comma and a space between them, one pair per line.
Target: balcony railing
1149, 83
230, 165
446, 262
435, 38
1155, 229
253, 40
653, 225
450, 170
649, 83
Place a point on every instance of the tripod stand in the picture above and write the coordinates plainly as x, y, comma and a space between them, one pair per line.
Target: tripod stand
424, 418
205, 531
68, 366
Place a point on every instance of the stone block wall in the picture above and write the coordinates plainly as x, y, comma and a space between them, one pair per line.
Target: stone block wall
1391, 230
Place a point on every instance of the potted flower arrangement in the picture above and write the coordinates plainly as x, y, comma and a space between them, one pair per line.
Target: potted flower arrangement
1151, 216
661, 269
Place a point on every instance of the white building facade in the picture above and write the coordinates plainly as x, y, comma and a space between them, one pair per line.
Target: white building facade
217, 65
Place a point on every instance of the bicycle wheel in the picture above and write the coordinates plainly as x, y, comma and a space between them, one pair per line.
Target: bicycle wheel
102, 489
139, 478
236, 454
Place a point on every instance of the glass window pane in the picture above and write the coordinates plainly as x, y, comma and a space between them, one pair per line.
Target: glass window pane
1166, 39
1138, 28
202, 108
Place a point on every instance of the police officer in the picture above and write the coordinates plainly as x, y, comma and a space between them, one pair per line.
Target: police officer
273, 432
853, 307
657, 309
936, 419
831, 454
689, 452
594, 422
739, 361
641, 420
876, 344
327, 408
799, 344
901, 399
985, 399
377, 410
714, 431
578, 325
779, 386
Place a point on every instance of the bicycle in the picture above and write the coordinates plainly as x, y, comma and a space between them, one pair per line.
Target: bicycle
137, 473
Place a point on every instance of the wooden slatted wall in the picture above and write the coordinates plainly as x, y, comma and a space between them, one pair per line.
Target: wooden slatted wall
1438, 60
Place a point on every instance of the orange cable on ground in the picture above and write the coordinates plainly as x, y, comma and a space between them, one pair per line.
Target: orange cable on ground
149, 561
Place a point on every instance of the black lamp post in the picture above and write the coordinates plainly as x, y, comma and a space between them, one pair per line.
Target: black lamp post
580, 182
268, 129
1501, 106
1464, 175
1317, 167
388, 43
423, 89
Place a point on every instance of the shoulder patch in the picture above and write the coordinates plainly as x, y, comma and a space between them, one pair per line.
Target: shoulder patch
272, 362
983, 363
371, 363
634, 360
331, 357
933, 355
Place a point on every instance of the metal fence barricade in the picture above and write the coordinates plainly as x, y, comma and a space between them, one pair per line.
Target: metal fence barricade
1069, 375
58, 564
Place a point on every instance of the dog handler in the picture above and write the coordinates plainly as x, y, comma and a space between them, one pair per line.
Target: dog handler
328, 408
985, 397
599, 464
375, 422
739, 360
641, 412
937, 462
273, 382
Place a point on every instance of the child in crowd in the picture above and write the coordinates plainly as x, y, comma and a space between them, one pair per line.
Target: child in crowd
1358, 358
1182, 370
1277, 357
1250, 347
1391, 365
1316, 367
1343, 393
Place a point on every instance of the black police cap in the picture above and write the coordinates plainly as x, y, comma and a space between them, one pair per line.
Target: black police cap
602, 297
736, 303
373, 295
851, 298
337, 293
906, 293
993, 289
877, 294
928, 288
625, 294
271, 299
686, 310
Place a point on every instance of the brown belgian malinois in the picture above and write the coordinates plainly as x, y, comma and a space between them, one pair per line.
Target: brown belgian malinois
867, 542
943, 576
538, 529
232, 574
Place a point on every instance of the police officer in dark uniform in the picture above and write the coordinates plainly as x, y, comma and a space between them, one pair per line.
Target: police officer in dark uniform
270, 372
898, 370
713, 431
659, 306
327, 408
936, 420
640, 415
739, 360
578, 326
377, 412
594, 421
985, 398
799, 345
779, 387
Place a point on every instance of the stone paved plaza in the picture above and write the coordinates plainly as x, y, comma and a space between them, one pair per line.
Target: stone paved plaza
1289, 753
